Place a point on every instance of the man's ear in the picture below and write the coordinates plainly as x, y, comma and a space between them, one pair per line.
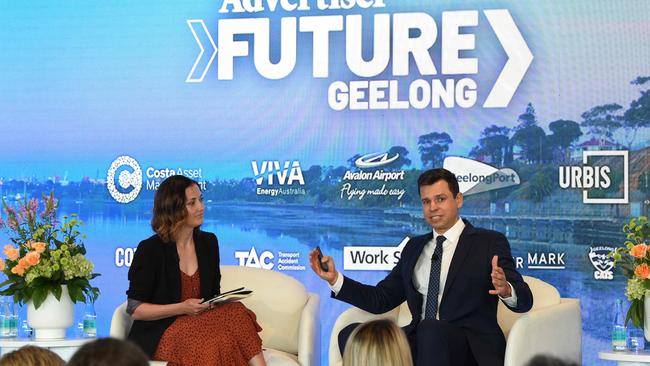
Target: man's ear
459, 200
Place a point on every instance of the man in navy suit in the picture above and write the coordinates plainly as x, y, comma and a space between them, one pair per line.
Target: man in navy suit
451, 278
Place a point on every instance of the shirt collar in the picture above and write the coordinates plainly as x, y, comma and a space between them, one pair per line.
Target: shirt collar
453, 234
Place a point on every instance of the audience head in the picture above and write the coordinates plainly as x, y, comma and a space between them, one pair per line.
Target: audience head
376, 343
542, 360
31, 356
109, 352
169, 206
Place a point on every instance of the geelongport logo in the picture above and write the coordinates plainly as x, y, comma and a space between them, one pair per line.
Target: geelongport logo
129, 179
476, 176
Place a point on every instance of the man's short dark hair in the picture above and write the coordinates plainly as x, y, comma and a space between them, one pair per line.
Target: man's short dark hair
431, 176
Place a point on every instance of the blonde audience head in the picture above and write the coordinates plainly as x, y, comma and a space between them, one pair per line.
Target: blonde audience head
377, 343
31, 356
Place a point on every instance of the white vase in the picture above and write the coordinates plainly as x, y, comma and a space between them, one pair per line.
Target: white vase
646, 318
53, 317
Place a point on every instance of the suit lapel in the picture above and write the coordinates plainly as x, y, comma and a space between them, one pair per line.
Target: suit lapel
173, 269
462, 250
202, 258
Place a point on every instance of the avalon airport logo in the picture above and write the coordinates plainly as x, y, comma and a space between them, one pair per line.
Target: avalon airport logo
476, 177
356, 182
591, 177
275, 178
602, 262
128, 174
266, 259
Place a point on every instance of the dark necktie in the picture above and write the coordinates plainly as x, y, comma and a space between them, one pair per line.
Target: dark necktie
434, 280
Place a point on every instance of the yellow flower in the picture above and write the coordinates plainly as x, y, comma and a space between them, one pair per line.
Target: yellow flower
39, 247
2, 265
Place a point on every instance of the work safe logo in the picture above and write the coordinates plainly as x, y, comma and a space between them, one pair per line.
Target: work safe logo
129, 179
372, 258
590, 177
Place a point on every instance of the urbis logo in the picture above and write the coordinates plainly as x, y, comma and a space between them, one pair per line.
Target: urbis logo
590, 177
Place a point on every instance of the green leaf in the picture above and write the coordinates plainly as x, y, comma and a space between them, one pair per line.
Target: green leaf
39, 296
56, 290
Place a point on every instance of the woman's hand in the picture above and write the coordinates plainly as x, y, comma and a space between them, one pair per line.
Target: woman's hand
193, 306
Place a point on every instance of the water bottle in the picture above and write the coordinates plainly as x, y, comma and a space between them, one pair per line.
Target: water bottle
14, 320
6, 313
619, 332
90, 321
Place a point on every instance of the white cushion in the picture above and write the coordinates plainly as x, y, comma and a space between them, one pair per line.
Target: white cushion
278, 301
278, 358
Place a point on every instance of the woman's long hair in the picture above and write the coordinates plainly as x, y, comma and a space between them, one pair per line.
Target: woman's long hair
377, 343
169, 209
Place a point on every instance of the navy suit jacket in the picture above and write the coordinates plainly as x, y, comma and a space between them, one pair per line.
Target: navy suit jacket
465, 302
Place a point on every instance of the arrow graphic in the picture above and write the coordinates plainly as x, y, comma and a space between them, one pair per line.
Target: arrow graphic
519, 58
193, 24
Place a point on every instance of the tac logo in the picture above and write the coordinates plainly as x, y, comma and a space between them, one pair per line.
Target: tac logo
602, 262
250, 258
374, 160
588, 177
129, 179
475, 176
273, 172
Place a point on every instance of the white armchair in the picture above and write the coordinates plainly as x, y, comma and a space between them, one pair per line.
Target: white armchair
285, 310
552, 327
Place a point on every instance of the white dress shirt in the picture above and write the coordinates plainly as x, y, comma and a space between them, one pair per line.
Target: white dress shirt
422, 269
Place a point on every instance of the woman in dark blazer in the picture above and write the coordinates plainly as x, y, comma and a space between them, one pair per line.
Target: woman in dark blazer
171, 273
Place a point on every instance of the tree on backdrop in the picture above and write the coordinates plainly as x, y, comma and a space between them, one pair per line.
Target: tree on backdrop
603, 120
564, 133
638, 115
403, 161
530, 138
433, 148
494, 143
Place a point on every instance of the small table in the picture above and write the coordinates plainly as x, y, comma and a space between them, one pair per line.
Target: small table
627, 358
62, 347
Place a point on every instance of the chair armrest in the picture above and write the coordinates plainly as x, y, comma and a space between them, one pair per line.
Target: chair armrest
309, 332
120, 323
350, 316
554, 330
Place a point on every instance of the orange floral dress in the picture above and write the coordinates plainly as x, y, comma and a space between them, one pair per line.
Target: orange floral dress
225, 335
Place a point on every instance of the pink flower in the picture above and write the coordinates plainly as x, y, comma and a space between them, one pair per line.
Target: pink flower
642, 271
639, 251
11, 252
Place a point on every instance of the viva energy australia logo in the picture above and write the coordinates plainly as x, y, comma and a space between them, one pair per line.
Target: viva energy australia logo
266, 259
372, 258
602, 262
275, 178
124, 178
402, 43
592, 177
359, 184
476, 177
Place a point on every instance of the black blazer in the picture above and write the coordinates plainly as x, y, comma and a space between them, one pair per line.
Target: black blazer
155, 277
465, 300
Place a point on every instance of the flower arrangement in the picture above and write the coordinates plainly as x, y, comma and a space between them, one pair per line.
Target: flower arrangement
44, 255
634, 260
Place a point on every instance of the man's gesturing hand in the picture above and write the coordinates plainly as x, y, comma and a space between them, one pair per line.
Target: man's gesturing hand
501, 286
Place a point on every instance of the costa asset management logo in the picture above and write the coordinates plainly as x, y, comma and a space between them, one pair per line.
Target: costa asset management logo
596, 177
126, 171
129, 179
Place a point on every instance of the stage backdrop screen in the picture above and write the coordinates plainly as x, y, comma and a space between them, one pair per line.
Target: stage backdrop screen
307, 122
